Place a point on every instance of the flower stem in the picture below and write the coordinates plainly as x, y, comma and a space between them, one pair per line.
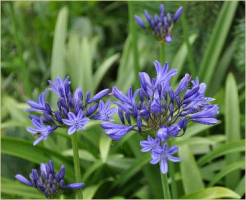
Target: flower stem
162, 52
165, 186
134, 42
76, 164
20, 52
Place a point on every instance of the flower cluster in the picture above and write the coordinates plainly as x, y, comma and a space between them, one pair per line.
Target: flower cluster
161, 112
161, 25
73, 110
48, 182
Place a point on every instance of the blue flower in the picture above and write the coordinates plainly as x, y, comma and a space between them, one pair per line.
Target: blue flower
161, 25
41, 130
75, 122
206, 116
59, 87
116, 131
149, 144
73, 110
105, 112
162, 154
40, 106
48, 182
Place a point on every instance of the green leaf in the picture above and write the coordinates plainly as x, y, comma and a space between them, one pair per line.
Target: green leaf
217, 41
240, 189
97, 164
180, 57
222, 68
212, 193
191, 176
58, 67
104, 147
135, 168
85, 67
230, 147
18, 189
226, 170
58, 50
89, 192
232, 126
103, 68
25, 149
119, 162
83, 155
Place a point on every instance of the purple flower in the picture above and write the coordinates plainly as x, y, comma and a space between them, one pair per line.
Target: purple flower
162, 154
206, 116
140, 22
116, 131
60, 87
40, 130
105, 112
40, 106
99, 95
161, 25
48, 182
177, 14
76, 122
149, 144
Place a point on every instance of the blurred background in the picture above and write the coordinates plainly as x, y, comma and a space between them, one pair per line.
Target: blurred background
91, 43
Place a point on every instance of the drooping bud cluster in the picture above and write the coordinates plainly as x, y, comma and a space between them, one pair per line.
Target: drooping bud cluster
161, 111
161, 25
48, 182
73, 110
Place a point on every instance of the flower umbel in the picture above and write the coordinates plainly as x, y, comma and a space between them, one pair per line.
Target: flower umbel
161, 111
73, 110
48, 182
161, 25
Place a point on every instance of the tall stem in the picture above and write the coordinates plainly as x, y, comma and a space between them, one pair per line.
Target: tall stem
164, 180
162, 52
76, 164
20, 52
134, 42
165, 187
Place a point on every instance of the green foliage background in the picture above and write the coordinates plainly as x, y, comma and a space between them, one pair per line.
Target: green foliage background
90, 42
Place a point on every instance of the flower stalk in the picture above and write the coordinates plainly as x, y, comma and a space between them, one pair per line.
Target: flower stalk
76, 164
165, 186
134, 42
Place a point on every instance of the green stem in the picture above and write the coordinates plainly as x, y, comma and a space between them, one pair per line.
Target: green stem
186, 38
134, 43
165, 186
76, 164
20, 52
171, 168
162, 52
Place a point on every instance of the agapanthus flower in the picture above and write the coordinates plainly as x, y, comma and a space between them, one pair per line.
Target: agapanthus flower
161, 25
159, 110
50, 183
162, 154
73, 110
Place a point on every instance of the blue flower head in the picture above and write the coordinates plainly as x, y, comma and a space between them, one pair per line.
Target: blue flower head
73, 110
48, 182
162, 154
161, 25
160, 110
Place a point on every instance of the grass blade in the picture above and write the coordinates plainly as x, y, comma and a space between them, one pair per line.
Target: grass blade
213, 193
228, 169
191, 176
230, 147
232, 126
217, 41
57, 59
240, 189
103, 68
180, 57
